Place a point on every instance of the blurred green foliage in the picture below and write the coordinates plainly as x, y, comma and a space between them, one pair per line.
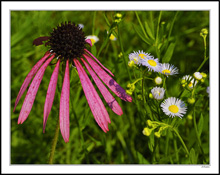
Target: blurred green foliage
124, 143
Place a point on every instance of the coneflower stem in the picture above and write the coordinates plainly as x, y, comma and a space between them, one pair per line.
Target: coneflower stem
54, 143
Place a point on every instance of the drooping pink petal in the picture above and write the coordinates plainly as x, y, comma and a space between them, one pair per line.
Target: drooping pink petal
113, 104
50, 94
95, 103
29, 77
108, 80
64, 105
89, 42
99, 62
32, 91
39, 41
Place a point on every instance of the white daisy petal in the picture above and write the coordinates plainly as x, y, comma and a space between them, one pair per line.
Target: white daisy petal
192, 83
151, 63
168, 69
197, 75
173, 106
139, 56
94, 39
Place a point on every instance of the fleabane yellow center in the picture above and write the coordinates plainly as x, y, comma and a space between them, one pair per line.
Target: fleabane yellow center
142, 55
152, 63
92, 40
158, 92
166, 71
173, 108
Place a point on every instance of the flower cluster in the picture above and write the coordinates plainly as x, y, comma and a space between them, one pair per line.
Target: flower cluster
153, 64
171, 106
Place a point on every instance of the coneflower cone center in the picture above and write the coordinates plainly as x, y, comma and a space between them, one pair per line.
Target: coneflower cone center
67, 41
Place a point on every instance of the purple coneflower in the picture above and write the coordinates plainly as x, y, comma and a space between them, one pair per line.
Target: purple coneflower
68, 45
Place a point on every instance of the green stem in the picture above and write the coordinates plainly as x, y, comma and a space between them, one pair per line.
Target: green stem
195, 126
204, 39
202, 64
123, 54
54, 143
176, 150
157, 35
154, 151
181, 140
167, 142
205, 58
197, 134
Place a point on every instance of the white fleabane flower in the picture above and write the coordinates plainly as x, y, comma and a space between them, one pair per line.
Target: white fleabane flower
94, 39
143, 55
158, 93
192, 83
138, 56
198, 75
151, 63
168, 69
173, 107
158, 80
134, 57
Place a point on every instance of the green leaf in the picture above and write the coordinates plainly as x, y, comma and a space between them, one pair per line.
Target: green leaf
141, 159
93, 50
168, 55
200, 125
149, 32
192, 156
141, 35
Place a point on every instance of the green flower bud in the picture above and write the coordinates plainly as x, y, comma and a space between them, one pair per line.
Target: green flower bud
158, 80
190, 117
157, 134
118, 15
204, 75
191, 100
151, 95
204, 32
129, 85
147, 131
149, 123
131, 64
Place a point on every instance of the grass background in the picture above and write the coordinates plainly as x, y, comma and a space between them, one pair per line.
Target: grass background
124, 143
